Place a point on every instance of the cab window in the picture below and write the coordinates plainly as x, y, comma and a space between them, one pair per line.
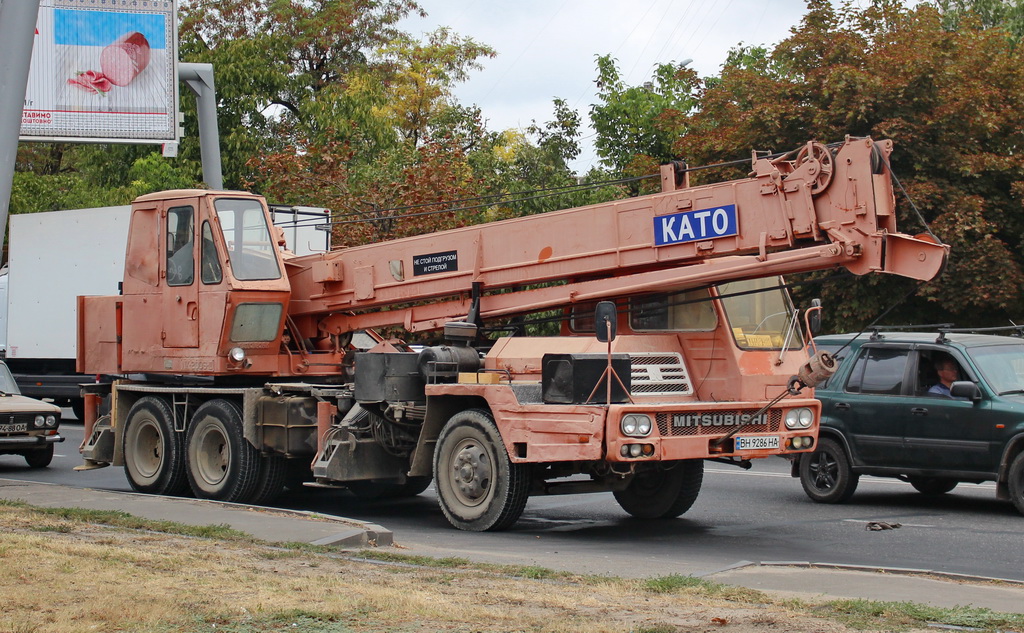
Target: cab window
252, 251
690, 310
761, 314
180, 247
209, 264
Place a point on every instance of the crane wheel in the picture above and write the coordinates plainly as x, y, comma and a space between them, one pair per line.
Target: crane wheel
154, 454
222, 465
663, 493
478, 487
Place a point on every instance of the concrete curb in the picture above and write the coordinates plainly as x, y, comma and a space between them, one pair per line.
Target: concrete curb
904, 571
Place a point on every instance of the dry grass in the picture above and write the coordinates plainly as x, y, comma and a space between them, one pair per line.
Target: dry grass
63, 575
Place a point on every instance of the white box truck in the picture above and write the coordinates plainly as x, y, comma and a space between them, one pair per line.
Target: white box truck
56, 256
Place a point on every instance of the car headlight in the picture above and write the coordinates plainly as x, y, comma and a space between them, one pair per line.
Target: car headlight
799, 418
39, 421
635, 425
51, 421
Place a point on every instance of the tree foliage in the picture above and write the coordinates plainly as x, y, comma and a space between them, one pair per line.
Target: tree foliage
637, 125
948, 92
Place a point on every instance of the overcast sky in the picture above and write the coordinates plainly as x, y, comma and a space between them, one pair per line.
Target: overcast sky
547, 48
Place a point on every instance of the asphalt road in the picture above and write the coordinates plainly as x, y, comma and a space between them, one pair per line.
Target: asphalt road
757, 515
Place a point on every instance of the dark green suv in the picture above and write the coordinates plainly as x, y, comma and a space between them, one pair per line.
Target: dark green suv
932, 409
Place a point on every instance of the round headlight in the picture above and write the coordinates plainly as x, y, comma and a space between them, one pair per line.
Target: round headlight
629, 425
643, 426
636, 425
39, 421
237, 354
51, 421
799, 418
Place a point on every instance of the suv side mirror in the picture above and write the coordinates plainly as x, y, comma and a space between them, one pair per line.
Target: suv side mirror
965, 389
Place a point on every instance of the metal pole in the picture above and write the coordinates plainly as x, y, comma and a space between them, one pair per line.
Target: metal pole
199, 78
17, 34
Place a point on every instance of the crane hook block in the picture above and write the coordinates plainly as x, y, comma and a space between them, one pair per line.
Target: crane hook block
818, 368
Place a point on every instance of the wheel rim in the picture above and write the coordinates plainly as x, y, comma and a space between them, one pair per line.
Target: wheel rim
213, 455
471, 473
147, 449
824, 471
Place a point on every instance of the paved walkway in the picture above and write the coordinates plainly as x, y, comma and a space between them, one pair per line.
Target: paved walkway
783, 577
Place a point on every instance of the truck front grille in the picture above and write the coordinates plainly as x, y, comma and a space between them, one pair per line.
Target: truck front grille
661, 374
716, 422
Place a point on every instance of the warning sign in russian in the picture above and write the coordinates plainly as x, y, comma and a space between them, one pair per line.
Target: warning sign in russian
435, 263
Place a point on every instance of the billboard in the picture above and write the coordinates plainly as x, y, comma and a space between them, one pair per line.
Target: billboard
103, 71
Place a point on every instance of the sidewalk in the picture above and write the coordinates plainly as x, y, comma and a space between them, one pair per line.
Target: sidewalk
793, 578
272, 526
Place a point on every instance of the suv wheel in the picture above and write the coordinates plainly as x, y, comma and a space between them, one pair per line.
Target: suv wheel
826, 475
1016, 482
932, 485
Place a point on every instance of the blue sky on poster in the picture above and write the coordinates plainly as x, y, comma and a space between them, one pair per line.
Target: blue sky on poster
547, 48
100, 28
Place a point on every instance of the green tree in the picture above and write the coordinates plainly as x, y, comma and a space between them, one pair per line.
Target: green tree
637, 126
1000, 14
952, 102
288, 70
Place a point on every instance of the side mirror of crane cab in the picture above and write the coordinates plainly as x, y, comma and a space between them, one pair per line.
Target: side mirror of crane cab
814, 316
606, 321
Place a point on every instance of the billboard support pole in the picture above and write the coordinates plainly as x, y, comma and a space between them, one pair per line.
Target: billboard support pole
199, 79
17, 34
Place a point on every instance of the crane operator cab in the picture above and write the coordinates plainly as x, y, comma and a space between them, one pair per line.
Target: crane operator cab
206, 267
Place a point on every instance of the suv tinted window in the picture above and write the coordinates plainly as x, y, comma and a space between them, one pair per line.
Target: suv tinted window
878, 371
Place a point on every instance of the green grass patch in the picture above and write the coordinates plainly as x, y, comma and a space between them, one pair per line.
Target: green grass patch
675, 582
292, 620
868, 614
407, 559
120, 519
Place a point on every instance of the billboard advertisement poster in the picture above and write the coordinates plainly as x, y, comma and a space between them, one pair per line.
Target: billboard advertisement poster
103, 71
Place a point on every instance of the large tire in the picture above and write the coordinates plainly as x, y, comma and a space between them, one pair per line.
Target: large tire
222, 465
932, 485
1016, 482
663, 493
826, 474
478, 487
40, 457
154, 454
271, 481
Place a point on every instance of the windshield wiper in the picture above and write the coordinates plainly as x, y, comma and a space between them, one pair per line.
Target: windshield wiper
1011, 391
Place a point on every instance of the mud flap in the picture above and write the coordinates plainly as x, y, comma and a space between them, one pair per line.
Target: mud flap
98, 449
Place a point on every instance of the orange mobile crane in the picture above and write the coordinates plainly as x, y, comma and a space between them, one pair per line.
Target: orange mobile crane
245, 370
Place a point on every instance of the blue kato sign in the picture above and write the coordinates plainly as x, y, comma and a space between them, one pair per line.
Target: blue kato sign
691, 226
